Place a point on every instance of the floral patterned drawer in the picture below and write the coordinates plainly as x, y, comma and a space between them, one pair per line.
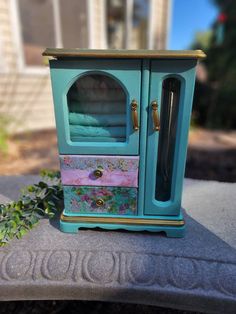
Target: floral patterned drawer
104, 200
99, 170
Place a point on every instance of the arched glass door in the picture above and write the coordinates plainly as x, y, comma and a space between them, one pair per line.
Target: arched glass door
97, 109
97, 106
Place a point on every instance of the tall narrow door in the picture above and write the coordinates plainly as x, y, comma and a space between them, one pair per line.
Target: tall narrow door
170, 101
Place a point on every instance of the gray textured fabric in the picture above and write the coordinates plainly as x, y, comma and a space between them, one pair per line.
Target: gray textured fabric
197, 272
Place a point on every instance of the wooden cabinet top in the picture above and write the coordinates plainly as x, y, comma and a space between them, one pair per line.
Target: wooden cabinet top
124, 54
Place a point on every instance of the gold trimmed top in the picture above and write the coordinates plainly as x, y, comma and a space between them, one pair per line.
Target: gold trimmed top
122, 53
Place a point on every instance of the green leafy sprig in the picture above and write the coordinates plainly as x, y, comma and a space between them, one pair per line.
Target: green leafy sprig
41, 200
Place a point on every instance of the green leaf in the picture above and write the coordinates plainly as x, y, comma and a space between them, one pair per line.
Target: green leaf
31, 188
36, 201
51, 203
42, 185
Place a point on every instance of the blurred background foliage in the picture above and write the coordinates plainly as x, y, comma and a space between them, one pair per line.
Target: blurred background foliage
215, 99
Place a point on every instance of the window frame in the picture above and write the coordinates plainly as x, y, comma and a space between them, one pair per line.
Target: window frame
129, 9
18, 38
43, 70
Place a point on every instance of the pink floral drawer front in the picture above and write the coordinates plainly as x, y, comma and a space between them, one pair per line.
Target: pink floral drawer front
99, 170
102, 200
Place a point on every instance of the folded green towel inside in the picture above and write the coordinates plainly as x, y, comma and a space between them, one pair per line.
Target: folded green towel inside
97, 139
91, 131
97, 107
97, 94
97, 119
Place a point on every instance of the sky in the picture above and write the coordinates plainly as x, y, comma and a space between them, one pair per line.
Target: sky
189, 17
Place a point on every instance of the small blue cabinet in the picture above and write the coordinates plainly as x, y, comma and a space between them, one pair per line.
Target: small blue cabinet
122, 121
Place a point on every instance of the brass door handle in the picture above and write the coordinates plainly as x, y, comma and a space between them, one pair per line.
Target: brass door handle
155, 116
134, 106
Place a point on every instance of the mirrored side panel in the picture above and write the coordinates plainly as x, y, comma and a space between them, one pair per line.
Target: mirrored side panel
167, 137
171, 88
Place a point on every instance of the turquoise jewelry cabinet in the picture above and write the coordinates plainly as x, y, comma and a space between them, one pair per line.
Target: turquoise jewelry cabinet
122, 120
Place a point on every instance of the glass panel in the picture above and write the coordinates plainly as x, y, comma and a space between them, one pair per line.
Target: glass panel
140, 24
36, 18
74, 24
97, 110
167, 137
116, 23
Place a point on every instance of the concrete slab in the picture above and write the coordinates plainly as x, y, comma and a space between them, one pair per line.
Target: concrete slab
196, 273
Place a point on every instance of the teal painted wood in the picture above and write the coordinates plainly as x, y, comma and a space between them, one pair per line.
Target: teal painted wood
143, 132
65, 72
172, 232
142, 80
116, 200
185, 71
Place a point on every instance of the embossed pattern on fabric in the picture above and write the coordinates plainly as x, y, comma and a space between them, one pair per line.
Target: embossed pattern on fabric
119, 268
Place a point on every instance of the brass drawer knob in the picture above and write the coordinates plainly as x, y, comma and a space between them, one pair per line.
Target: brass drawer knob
99, 202
98, 173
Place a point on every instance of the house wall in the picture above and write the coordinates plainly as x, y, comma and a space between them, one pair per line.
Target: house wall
161, 19
25, 96
25, 99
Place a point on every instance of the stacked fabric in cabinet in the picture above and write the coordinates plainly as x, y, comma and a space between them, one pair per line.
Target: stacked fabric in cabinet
97, 110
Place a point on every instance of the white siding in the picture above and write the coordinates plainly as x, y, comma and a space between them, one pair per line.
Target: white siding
25, 99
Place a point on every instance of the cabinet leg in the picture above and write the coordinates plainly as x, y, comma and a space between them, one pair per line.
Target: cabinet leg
175, 232
69, 227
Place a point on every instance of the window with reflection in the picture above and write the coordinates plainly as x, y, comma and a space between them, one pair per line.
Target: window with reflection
140, 24
130, 19
74, 23
39, 30
37, 27
116, 23
97, 109
167, 137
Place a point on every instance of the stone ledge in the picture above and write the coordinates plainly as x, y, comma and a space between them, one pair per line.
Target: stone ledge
195, 273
